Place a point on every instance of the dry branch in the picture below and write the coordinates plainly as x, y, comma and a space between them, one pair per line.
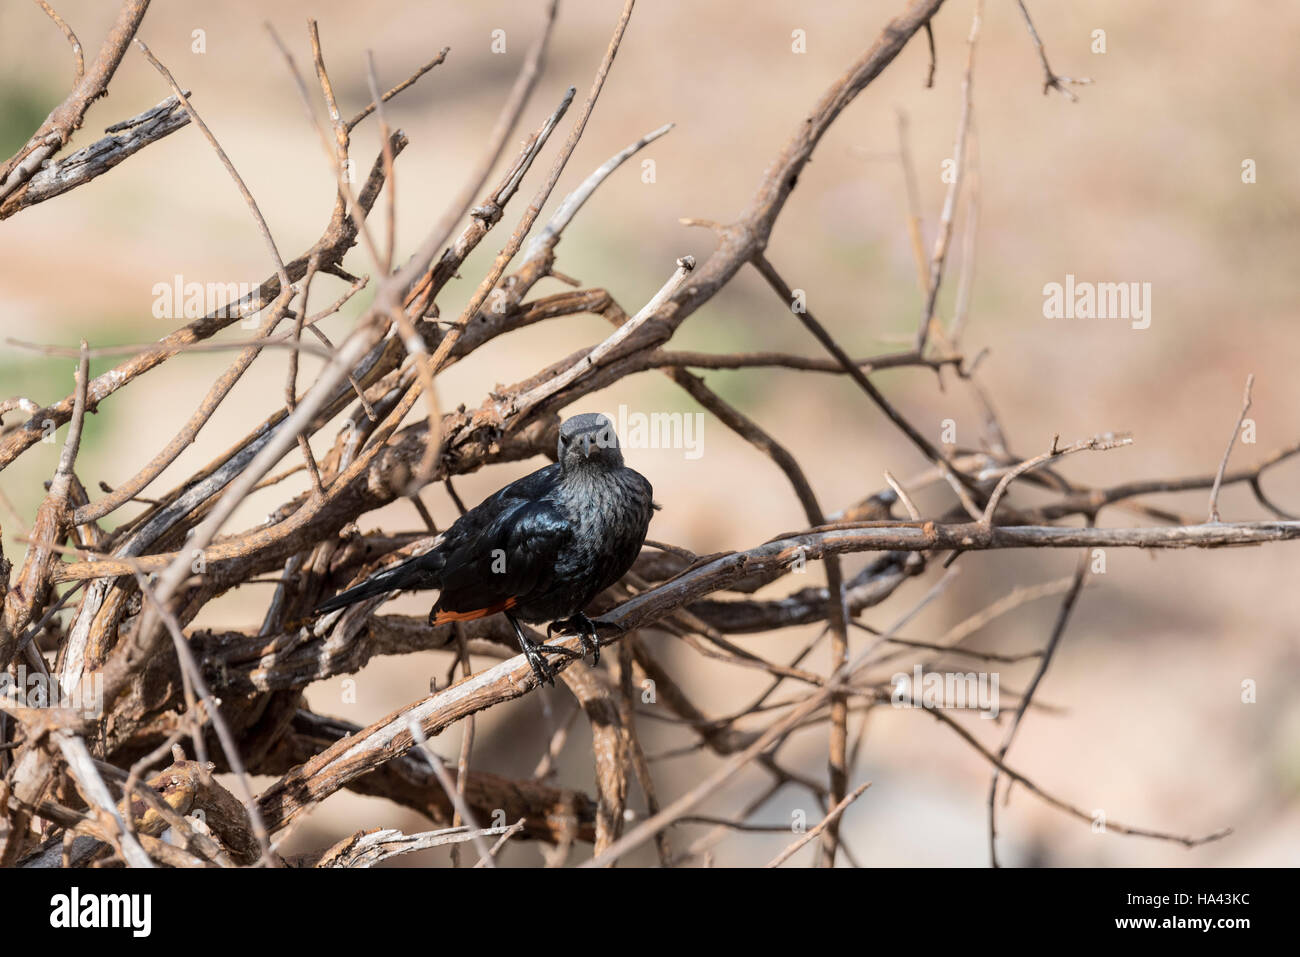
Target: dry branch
236, 695
123, 140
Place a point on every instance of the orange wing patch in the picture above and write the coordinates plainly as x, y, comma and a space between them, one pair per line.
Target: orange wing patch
445, 616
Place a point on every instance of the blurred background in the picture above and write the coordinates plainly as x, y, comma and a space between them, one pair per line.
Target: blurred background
1138, 181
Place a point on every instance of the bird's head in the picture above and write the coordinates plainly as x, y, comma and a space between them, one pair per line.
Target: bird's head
587, 440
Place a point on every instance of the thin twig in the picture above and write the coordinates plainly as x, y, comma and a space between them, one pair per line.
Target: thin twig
943, 236
1232, 440
834, 815
453, 792
1051, 81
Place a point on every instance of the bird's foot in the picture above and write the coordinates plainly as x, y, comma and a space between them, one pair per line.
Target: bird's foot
585, 629
535, 654
542, 669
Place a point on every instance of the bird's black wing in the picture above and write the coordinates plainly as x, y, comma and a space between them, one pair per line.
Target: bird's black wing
505, 560
477, 531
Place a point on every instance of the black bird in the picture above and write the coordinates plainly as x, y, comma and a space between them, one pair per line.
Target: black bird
538, 550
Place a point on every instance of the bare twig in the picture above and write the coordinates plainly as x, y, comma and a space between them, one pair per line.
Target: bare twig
456, 794
834, 815
78, 60
67, 117
96, 793
1051, 81
1227, 453
944, 235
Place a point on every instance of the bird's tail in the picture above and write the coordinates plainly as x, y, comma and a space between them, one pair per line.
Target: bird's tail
420, 572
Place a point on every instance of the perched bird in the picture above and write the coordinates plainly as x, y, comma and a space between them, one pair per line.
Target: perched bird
538, 550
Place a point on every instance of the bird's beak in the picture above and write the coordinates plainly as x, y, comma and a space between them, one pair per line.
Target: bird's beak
586, 446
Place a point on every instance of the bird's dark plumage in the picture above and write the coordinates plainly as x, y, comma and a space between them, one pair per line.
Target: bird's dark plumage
541, 548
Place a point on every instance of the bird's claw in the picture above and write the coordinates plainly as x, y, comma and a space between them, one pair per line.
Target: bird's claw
542, 670
585, 629
535, 654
